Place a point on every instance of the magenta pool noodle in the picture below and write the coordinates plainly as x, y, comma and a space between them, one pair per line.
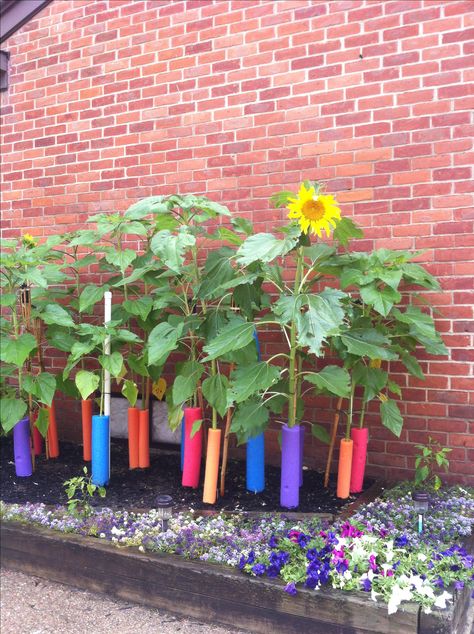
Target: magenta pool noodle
255, 463
100, 450
22, 448
290, 467
301, 453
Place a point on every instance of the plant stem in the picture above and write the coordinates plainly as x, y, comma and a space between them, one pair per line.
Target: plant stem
293, 377
362, 411
214, 411
351, 409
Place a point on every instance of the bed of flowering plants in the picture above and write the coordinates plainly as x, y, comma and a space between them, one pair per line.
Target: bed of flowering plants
378, 551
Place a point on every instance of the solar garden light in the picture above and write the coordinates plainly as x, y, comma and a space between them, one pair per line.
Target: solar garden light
421, 502
164, 507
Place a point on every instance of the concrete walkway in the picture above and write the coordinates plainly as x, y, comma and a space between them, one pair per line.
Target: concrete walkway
30, 605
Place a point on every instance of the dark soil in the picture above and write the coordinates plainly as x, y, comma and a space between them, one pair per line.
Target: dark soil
139, 488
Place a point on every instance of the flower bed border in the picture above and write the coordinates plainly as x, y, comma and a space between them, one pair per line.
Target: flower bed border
210, 592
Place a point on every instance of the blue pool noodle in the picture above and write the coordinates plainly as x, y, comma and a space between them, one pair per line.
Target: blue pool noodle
256, 451
100, 450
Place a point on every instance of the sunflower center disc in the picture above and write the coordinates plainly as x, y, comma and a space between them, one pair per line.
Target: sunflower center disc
313, 210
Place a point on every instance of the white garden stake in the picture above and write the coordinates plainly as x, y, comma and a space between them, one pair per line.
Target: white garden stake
107, 318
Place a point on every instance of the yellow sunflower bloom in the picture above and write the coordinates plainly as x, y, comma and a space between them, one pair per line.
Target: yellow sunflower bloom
315, 212
28, 240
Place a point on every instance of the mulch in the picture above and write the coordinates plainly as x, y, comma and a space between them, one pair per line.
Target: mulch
139, 488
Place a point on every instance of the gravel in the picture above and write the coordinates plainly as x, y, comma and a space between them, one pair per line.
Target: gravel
30, 605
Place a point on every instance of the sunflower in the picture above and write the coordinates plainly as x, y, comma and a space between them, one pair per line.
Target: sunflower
28, 240
314, 211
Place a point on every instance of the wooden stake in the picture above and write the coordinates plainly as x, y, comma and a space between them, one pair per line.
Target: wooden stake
333, 441
225, 449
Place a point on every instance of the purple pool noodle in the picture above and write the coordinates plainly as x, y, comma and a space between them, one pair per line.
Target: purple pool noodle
290, 467
22, 448
301, 453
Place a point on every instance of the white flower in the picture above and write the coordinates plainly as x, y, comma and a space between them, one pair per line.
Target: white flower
421, 557
348, 575
441, 600
374, 595
398, 595
416, 581
427, 591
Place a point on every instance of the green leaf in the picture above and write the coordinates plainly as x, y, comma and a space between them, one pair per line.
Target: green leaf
54, 314
242, 225
196, 427
281, 199
11, 411
84, 237
186, 381
43, 386
113, 363
322, 318
382, 299
217, 271
134, 228
214, 390
391, 417
373, 380
365, 342
171, 249
59, 339
345, 230
248, 380
410, 363
8, 299
224, 233
130, 391
232, 337
121, 259
422, 328
264, 247
394, 388
146, 206
42, 421
163, 339
90, 295
137, 364
139, 307
422, 474
318, 252
320, 433
249, 419
67, 387
16, 351
87, 382
332, 379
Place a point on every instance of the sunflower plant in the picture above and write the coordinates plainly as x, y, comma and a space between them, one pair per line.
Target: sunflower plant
306, 312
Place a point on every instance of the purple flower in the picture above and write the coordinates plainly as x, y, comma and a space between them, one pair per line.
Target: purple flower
273, 542
366, 585
372, 564
401, 541
348, 530
459, 585
258, 569
290, 588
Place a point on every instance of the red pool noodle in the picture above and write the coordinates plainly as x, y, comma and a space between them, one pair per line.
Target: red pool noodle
192, 448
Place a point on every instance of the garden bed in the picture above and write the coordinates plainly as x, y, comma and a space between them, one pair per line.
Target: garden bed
138, 488
211, 592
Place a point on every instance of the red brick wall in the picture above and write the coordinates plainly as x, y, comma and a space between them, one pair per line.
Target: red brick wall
114, 100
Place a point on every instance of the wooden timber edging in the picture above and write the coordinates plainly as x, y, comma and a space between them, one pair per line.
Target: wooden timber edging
209, 592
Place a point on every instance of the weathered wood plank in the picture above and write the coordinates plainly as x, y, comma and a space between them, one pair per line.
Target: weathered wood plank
192, 589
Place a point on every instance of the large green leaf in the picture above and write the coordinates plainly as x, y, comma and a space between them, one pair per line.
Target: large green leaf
391, 417
59, 339
137, 364
122, 259
186, 381
146, 206
264, 247
382, 299
67, 387
232, 337
332, 379
139, 307
323, 317
43, 386
162, 340
54, 314
345, 230
242, 225
87, 382
130, 391
249, 419
90, 295
372, 379
422, 328
248, 380
171, 249
11, 411
365, 342
411, 363
42, 421
16, 351
217, 271
113, 363
214, 390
